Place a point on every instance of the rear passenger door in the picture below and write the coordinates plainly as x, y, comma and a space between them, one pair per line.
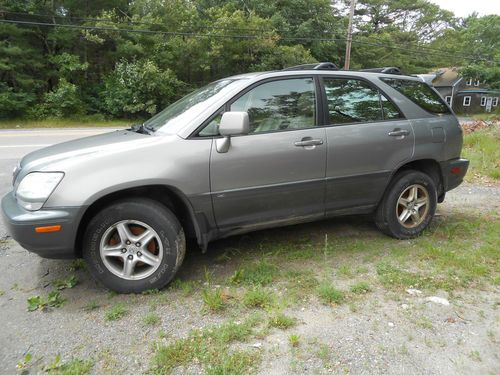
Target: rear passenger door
367, 138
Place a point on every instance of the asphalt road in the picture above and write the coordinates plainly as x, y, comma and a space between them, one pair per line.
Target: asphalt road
14, 144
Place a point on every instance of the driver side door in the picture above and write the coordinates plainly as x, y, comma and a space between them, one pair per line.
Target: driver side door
275, 174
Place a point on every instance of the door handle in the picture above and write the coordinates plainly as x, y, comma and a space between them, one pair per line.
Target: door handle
308, 142
399, 133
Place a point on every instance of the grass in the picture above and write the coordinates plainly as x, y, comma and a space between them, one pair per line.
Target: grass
257, 297
210, 347
117, 311
213, 299
329, 294
482, 148
281, 321
85, 122
361, 287
260, 273
67, 283
294, 340
73, 367
151, 319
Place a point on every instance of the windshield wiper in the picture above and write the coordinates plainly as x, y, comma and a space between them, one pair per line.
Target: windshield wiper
143, 129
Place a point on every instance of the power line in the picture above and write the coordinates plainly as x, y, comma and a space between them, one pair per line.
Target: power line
280, 31
228, 36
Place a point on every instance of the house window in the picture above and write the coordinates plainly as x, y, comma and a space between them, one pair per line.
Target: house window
476, 82
448, 99
483, 101
469, 82
495, 102
466, 101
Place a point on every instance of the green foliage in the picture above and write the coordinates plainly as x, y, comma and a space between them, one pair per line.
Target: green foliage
139, 88
151, 319
329, 294
117, 311
281, 321
73, 367
261, 273
55, 72
294, 340
69, 282
482, 148
63, 102
361, 288
53, 299
257, 297
213, 299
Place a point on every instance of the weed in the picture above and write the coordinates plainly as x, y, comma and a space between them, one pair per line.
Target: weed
213, 299
151, 319
474, 354
77, 264
187, 287
345, 271
294, 340
281, 321
424, 322
92, 305
73, 367
153, 291
329, 294
2, 292
261, 273
257, 297
23, 363
117, 311
210, 348
54, 299
361, 288
66, 283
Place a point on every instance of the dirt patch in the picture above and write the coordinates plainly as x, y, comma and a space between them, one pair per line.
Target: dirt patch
380, 330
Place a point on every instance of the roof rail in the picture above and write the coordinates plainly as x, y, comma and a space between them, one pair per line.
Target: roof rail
317, 66
386, 70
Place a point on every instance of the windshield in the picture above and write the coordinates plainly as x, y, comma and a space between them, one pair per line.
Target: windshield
184, 109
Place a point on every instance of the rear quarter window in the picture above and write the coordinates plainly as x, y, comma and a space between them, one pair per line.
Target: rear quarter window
419, 93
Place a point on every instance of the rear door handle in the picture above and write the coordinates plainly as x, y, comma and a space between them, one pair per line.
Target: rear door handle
308, 142
399, 133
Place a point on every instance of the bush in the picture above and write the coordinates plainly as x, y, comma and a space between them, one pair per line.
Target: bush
139, 88
12, 103
63, 102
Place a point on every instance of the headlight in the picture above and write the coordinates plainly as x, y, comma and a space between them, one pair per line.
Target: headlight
36, 187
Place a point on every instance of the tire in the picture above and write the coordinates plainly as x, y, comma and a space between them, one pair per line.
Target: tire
391, 217
115, 256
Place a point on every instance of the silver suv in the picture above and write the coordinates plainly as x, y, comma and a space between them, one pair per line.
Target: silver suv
243, 153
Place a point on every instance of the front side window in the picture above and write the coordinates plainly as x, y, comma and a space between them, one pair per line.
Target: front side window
420, 93
483, 101
279, 105
351, 101
495, 102
466, 101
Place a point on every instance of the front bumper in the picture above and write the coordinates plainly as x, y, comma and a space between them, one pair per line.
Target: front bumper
453, 172
21, 226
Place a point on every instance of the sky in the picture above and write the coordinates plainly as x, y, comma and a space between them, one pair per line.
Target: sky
463, 8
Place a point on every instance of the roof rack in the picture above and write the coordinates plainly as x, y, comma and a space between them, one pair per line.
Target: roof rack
317, 66
386, 70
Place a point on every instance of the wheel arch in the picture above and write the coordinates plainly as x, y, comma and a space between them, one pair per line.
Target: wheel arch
430, 167
167, 195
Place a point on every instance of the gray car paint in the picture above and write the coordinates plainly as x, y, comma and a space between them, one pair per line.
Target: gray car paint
263, 180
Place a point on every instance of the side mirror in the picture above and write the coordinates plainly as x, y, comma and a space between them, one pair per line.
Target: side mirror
234, 123
231, 123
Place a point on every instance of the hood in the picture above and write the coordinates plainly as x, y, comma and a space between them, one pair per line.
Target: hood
59, 156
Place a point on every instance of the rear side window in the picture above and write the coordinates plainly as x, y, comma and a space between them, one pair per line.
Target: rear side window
352, 100
419, 93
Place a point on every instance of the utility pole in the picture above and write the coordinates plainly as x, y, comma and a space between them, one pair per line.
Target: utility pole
349, 37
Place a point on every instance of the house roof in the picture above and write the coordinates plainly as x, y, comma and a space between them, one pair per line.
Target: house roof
446, 77
477, 91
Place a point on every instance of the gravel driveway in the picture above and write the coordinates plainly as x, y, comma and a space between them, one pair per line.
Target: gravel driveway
388, 333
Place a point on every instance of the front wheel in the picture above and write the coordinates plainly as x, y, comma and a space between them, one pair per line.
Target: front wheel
134, 245
408, 206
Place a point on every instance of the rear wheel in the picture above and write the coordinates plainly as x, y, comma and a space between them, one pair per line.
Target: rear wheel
134, 245
408, 206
